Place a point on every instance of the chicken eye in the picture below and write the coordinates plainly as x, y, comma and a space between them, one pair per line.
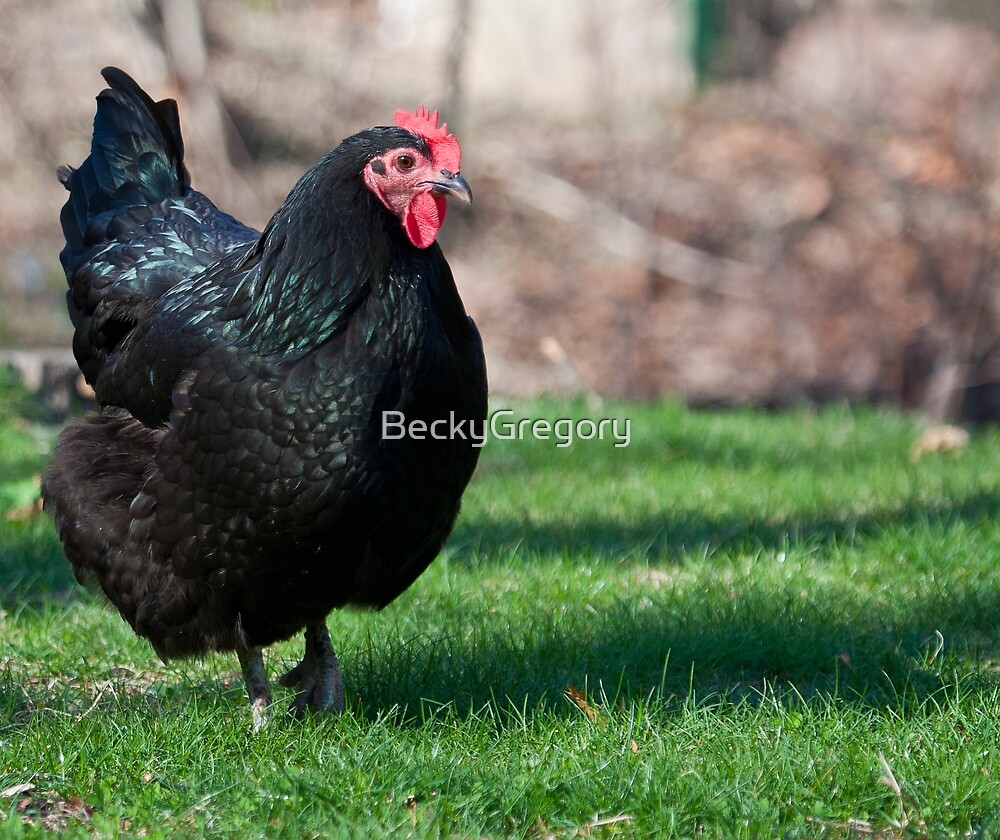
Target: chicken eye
405, 163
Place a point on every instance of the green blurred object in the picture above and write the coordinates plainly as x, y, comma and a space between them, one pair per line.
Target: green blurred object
706, 38
15, 399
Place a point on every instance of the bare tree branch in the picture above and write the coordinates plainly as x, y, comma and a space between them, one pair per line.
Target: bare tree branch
625, 238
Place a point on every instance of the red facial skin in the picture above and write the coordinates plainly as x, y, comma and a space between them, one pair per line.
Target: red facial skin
404, 178
403, 181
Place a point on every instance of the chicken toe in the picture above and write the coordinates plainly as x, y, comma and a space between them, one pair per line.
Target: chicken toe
317, 676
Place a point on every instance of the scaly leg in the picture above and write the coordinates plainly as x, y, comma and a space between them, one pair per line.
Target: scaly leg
317, 676
255, 678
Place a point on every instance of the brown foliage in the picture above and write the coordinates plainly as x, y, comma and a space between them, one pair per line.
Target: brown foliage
829, 230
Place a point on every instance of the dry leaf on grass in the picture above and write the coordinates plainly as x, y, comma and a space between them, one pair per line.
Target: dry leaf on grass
580, 701
25, 512
16, 790
53, 812
940, 439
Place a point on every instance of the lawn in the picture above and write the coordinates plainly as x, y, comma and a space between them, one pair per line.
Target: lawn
742, 624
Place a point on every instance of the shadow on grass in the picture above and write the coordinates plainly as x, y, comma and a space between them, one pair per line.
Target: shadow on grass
896, 657
666, 538
619, 661
841, 648
33, 568
875, 661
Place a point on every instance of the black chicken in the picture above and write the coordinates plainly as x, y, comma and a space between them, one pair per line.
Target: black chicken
236, 484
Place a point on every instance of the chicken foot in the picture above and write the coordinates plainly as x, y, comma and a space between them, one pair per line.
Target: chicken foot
255, 679
317, 676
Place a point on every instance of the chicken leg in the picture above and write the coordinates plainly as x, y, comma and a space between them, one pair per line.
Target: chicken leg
255, 679
317, 676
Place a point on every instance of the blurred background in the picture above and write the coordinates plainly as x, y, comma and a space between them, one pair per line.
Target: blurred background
732, 201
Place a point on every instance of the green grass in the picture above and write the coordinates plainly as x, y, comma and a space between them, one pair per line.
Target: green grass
773, 625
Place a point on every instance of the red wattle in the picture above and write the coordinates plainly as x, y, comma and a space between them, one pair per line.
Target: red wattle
424, 217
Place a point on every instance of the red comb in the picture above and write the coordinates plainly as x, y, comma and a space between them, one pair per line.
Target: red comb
422, 122
447, 153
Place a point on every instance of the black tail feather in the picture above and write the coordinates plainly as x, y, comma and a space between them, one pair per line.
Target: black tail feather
136, 156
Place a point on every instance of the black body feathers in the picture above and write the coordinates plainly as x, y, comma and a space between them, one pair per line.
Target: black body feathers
235, 485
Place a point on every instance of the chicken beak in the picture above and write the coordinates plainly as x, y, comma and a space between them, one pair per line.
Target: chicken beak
453, 184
